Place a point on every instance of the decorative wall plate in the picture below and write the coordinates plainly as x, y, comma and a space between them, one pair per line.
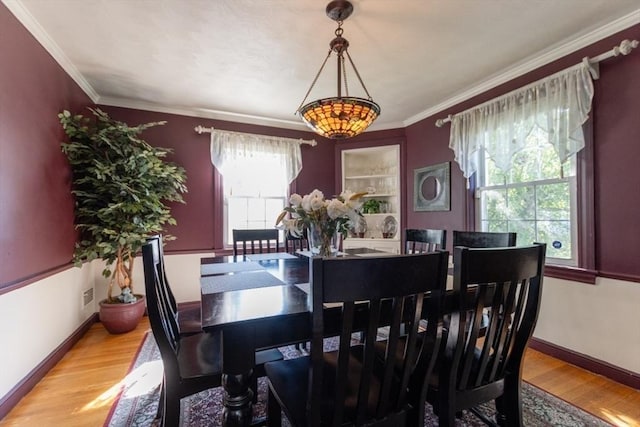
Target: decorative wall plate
431, 188
389, 227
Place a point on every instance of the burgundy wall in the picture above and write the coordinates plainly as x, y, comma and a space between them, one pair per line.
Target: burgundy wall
200, 218
616, 124
36, 208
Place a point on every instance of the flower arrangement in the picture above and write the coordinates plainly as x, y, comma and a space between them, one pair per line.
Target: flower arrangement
323, 218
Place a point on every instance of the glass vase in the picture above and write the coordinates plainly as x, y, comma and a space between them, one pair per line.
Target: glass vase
323, 240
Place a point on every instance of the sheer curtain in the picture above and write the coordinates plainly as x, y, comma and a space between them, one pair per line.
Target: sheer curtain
228, 149
558, 105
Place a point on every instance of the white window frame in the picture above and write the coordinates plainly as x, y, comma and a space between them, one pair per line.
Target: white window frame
227, 237
573, 201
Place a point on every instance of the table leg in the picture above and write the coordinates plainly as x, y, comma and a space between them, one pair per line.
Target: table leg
238, 410
238, 360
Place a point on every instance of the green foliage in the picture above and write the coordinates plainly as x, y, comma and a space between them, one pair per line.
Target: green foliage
120, 184
371, 206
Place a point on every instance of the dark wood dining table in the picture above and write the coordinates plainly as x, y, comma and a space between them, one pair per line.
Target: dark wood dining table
257, 318
251, 319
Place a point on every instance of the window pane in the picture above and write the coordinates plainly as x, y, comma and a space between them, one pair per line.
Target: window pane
554, 201
255, 210
273, 207
526, 231
494, 226
494, 204
521, 202
557, 236
236, 208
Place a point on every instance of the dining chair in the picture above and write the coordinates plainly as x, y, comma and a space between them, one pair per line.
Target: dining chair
189, 315
483, 239
424, 240
296, 243
255, 241
191, 363
350, 386
474, 369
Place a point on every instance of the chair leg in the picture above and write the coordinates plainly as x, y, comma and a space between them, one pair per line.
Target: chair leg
274, 412
161, 401
171, 416
254, 387
509, 405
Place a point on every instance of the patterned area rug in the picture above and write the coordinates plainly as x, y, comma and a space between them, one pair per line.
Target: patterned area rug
138, 402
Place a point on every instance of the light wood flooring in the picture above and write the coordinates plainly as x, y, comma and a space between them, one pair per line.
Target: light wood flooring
80, 390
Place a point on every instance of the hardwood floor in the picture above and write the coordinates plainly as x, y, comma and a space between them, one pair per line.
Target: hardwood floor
80, 390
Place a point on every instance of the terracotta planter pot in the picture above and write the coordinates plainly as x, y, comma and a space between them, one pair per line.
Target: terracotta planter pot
121, 318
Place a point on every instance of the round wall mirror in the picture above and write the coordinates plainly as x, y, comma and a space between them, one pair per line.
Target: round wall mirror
430, 188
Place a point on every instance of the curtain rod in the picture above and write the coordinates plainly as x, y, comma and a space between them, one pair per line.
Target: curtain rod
624, 49
201, 129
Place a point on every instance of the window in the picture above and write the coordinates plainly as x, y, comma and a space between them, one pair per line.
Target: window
533, 168
256, 171
536, 198
255, 192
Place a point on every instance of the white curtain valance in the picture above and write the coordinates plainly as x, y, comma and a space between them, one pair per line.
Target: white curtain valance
227, 147
558, 104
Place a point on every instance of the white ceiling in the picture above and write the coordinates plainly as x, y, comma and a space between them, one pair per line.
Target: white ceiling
253, 61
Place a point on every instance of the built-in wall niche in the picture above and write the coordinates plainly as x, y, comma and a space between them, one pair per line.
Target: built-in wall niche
376, 172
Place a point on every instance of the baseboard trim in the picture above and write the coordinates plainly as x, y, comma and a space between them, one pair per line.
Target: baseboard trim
8, 402
599, 367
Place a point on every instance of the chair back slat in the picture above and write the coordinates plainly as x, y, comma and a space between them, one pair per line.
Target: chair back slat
292, 243
161, 317
255, 241
417, 241
375, 292
509, 282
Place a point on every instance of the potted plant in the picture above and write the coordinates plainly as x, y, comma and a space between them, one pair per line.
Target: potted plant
120, 184
371, 206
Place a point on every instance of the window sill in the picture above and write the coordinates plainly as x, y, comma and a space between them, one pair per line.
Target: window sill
575, 274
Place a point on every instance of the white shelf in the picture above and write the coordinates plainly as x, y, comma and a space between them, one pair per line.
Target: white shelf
372, 195
384, 164
370, 176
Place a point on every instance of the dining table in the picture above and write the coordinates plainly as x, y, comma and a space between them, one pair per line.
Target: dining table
258, 302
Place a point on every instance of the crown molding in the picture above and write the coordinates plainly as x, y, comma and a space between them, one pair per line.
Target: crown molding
31, 24
555, 52
203, 113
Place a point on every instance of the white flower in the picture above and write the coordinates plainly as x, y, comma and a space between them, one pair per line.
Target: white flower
317, 203
316, 194
306, 203
337, 209
292, 227
295, 200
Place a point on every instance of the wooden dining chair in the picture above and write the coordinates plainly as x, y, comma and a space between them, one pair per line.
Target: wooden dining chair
474, 369
292, 243
191, 363
417, 241
189, 316
351, 386
483, 239
255, 241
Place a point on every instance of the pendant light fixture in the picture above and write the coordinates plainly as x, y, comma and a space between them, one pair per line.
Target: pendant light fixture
340, 116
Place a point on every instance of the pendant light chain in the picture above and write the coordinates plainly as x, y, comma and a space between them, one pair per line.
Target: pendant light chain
358, 75
313, 83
